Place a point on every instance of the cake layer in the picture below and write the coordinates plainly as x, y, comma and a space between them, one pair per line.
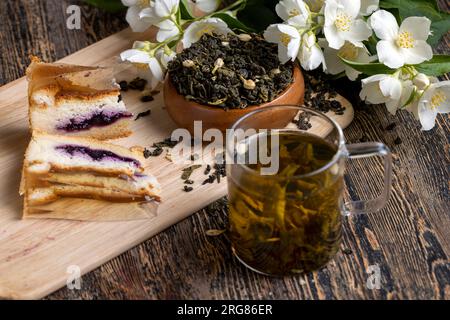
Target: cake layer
62, 153
76, 117
140, 184
96, 119
39, 196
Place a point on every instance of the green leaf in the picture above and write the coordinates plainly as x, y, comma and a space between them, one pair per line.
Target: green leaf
369, 69
437, 66
259, 14
440, 21
184, 11
233, 23
108, 5
439, 28
387, 4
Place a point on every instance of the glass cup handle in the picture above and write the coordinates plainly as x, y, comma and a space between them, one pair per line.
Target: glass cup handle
364, 150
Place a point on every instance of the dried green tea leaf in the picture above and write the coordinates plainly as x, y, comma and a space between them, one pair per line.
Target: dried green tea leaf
188, 171
215, 232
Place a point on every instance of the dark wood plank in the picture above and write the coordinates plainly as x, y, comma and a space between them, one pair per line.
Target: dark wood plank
409, 240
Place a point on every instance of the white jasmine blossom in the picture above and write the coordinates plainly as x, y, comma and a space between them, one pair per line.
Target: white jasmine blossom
165, 55
369, 6
167, 29
140, 53
143, 57
132, 16
349, 52
310, 54
380, 88
421, 81
342, 23
288, 39
197, 29
160, 10
387, 89
294, 12
434, 100
406, 98
401, 45
206, 6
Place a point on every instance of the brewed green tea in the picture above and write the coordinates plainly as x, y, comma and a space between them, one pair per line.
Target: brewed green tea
289, 222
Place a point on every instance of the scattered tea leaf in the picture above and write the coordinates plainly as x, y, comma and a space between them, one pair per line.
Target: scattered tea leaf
210, 179
168, 156
391, 126
320, 95
143, 114
347, 251
168, 142
147, 98
303, 122
188, 171
123, 85
153, 153
137, 84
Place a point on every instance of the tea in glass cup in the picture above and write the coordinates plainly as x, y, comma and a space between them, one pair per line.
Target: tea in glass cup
289, 221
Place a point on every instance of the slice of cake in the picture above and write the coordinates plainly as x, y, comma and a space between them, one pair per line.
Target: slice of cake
59, 166
76, 101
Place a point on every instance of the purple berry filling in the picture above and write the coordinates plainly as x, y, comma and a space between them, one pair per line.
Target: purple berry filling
99, 119
96, 154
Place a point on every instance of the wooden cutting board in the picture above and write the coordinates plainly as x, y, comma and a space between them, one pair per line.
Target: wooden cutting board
35, 254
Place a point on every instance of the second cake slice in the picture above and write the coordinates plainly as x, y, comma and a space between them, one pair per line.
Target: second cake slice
57, 167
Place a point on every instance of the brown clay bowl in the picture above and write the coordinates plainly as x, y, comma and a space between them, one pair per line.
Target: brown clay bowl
184, 112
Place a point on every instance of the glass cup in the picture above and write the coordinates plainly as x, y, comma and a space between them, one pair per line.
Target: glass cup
285, 221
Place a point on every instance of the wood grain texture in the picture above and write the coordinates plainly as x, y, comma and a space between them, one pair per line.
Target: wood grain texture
409, 240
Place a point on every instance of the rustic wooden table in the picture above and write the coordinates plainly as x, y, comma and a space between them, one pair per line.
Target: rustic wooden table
409, 240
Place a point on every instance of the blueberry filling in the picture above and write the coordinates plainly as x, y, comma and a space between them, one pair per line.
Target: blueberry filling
100, 119
96, 154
